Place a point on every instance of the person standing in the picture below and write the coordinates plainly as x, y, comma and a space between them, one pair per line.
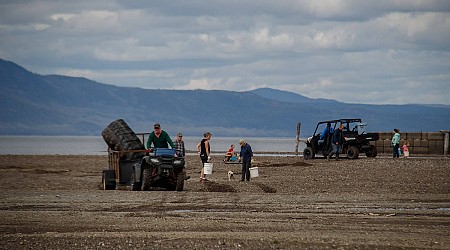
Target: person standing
405, 150
180, 151
246, 155
396, 143
179, 146
204, 150
159, 138
336, 143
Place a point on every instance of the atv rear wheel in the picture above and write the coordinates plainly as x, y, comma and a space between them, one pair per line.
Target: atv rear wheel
135, 185
353, 152
373, 152
308, 153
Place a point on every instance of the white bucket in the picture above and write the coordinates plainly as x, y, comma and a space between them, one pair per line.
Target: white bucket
254, 172
207, 168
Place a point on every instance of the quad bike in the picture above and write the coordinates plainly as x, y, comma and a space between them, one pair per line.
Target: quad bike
357, 140
131, 165
161, 169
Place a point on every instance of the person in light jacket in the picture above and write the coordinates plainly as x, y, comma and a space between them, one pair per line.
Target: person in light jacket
396, 143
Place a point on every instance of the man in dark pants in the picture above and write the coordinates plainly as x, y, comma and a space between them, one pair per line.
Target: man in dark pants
246, 156
336, 143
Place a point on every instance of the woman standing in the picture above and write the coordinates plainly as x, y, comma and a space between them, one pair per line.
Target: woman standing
396, 143
205, 152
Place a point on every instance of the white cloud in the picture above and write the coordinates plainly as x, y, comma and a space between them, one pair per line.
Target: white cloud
208, 84
62, 17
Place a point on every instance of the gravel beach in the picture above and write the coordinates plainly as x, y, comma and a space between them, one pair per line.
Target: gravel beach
55, 202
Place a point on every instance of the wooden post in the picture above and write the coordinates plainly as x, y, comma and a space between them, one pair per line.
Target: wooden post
446, 141
297, 138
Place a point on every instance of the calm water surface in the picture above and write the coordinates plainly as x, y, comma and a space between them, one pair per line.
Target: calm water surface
95, 145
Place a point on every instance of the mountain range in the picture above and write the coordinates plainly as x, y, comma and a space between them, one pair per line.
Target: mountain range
33, 104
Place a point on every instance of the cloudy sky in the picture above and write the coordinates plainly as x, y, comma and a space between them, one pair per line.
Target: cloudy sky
375, 51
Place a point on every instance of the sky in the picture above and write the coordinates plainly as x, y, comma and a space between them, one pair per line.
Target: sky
372, 52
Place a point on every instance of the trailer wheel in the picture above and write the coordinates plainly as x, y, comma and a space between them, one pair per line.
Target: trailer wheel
373, 152
353, 152
146, 179
308, 153
108, 180
134, 184
180, 181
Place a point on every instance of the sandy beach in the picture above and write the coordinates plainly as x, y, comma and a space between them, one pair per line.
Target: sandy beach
55, 202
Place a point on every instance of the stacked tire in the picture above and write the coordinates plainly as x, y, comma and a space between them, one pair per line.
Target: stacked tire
119, 136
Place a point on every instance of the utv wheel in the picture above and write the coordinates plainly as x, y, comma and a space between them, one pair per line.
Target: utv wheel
308, 153
108, 180
134, 184
180, 181
353, 152
373, 152
146, 179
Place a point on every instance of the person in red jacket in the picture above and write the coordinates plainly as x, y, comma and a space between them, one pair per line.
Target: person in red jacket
229, 153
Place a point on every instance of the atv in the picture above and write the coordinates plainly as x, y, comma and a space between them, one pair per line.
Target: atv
357, 140
130, 165
161, 169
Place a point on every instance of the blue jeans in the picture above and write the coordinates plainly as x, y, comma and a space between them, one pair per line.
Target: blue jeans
335, 149
395, 153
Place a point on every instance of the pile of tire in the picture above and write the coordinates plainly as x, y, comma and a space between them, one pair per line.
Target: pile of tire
119, 136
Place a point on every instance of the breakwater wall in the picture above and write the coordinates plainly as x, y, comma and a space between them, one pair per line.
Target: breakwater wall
419, 142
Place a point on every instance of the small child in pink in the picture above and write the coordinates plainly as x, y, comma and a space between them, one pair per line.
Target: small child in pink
405, 150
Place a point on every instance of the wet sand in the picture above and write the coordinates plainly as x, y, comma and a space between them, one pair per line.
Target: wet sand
55, 202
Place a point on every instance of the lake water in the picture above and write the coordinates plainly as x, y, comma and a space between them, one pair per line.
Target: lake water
95, 145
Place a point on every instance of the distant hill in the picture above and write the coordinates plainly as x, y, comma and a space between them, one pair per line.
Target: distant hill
33, 104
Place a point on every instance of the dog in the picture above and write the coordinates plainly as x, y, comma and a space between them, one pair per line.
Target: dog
230, 175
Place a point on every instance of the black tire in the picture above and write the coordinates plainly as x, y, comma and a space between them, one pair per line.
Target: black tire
119, 136
108, 180
373, 152
308, 153
146, 179
353, 152
180, 181
135, 185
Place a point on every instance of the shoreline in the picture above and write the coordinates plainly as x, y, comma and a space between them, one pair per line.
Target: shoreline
257, 154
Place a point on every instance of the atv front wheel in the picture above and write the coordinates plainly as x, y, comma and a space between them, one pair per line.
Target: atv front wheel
308, 153
146, 179
353, 152
180, 181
